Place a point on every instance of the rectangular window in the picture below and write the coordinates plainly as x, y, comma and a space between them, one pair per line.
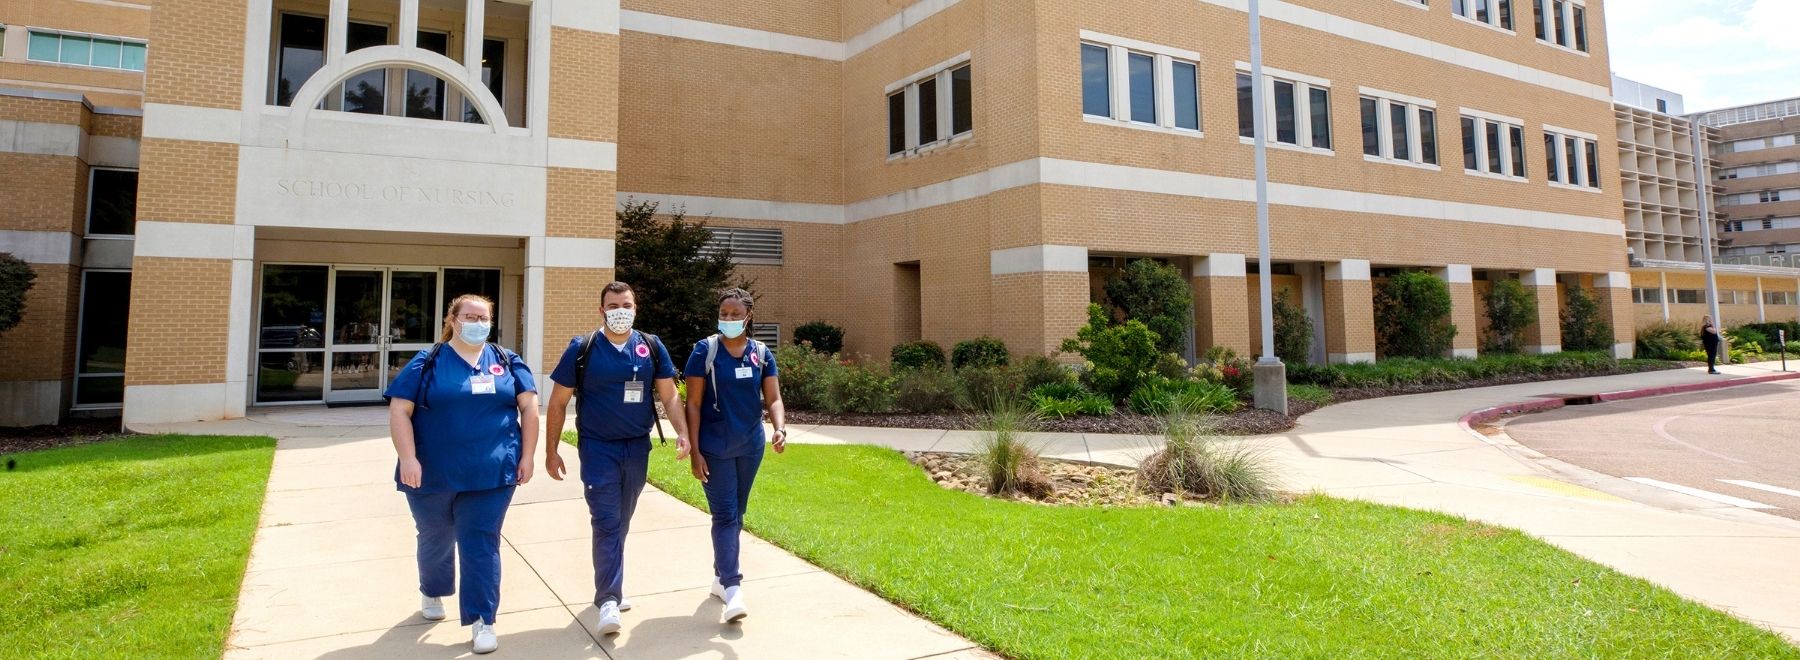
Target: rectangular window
85, 50
1286, 122
762, 247
1141, 70
962, 100
1562, 28
1470, 161
1540, 18
1662, 106
1579, 18
1494, 164
1371, 126
897, 122
928, 111
302, 53
1399, 133
112, 202
1550, 157
1497, 146
1246, 112
493, 76
1572, 168
1187, 94
1518, 150
1497, 13
1320, 106
1504, 9
366, 92
1428, 136
1096, 86
425, 92
1648, 295
1593, 163
100, 366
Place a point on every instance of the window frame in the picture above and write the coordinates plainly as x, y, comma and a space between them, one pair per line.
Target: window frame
1119, 51
1385, 104
123, 42
80, 337
943, 116
1483, 160
1561, 29
1588, 174
87, 222
1470, 11
1303, 86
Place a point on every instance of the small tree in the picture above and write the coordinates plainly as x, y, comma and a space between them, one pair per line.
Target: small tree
824, 337
1157, 295
1582, 327
1412, 316
1509, 309
1293, 330
1119, 357
677, 283
16, 278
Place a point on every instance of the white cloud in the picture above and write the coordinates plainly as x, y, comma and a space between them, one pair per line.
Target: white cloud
1716, 53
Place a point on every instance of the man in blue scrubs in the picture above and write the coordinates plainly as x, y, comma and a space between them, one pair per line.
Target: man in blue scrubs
609, 373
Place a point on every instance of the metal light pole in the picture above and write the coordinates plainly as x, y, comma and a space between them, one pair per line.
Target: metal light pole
1702, 184
1271, 375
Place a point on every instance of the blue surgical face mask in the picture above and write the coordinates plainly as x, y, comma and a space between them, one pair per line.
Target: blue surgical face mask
475, 333
731, 329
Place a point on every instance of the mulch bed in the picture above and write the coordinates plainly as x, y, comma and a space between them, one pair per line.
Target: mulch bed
73, 432
1247, 421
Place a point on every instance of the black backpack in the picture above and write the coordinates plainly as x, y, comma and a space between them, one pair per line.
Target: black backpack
656, 357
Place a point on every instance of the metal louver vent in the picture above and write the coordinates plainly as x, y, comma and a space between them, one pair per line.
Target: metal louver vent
767, 333
748, 246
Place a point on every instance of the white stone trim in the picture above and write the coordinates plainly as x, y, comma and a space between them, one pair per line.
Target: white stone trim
1314, 19
583, 154
195, 240
1220, 264
1396, 96
1543, 349
742, 209
1617, 280
927, 72
108, 151
893, 25
40, 247
1284, 74
1624, 350
1348, 270
183, 122
730, 35
562, 252
40, 138
1570, 132
1538, 277
1465, 353
1038, 259
1491, 116
237, 340
1144, 46
147, 405
1350, 358
1457, 274
591, 15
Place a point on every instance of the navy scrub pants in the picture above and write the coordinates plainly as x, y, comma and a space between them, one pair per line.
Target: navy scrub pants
727, 497
468, 521
613, 475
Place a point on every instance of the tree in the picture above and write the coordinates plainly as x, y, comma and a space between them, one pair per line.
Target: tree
1157, 295
1510, 308
1412, 316
16, 278
1583, 329
676, 281
1293, 330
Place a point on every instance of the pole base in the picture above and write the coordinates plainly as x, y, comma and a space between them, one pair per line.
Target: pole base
1271, 386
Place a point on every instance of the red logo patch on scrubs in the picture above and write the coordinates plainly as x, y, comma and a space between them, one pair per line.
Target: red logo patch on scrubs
755, 359
643, 350
496, 370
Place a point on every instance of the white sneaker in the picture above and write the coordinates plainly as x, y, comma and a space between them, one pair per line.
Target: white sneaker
734, 606
718, 590
608, 623
485, 641
432, 608
624, 604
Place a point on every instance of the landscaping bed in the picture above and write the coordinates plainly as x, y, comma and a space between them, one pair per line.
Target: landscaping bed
72, 432
1244, 421
1073, 482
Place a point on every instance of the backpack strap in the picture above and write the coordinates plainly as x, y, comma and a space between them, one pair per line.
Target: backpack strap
581, 362
657, 351
425, 372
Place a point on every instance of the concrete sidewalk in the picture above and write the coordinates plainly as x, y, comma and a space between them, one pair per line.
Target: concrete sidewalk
332, 571
1411, 451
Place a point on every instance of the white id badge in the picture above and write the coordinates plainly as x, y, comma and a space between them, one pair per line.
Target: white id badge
634, 391
744, 372
483, 384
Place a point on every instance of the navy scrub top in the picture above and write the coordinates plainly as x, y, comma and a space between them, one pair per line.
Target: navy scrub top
602, 415
465, 441
734, 428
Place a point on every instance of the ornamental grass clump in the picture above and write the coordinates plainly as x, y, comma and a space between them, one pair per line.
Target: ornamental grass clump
1193, 462
1007, 458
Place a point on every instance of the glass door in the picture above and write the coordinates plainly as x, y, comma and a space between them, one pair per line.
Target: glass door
358, 310
413, 320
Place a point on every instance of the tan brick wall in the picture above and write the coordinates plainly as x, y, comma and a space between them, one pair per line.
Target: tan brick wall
46, 332
1463, 313
1219, 303
580, 203
42, 192
180, 311
1349, 317
1616, 307
809, 285
958, 296
1035, 312
1440, 25
584, 85
187, 181
41, 110
196, 55
570, 306
125, 126
816, 19
1547, 330
77, 16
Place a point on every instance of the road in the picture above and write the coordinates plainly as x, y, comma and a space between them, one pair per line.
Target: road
1734, 446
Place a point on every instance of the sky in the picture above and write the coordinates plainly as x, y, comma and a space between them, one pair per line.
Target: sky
1715, 53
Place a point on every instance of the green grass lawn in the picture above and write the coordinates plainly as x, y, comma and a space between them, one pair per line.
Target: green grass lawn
1320, 578
127, 548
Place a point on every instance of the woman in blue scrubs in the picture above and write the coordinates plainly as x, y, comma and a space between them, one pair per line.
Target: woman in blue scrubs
463, 414
725, 405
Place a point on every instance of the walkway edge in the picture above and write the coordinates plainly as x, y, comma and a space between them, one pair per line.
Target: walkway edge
1486, 415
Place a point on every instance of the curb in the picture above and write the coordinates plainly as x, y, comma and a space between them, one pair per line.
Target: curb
1485, 415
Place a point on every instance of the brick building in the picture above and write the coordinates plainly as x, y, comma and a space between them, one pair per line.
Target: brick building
289, 190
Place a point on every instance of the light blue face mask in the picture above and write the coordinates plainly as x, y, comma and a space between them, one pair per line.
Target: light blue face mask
475, 333
731, 329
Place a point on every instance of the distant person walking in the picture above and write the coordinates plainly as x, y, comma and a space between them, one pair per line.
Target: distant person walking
463, 415
1709, 339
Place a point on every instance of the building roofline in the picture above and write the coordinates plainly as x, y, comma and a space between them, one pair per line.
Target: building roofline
48, 95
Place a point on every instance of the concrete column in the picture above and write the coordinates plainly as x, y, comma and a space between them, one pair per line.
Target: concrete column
1461, 280
1040, 296
1221, 301
1545, 335
1663, 294
1349, 312
1762, 315
1614, 293
187, 357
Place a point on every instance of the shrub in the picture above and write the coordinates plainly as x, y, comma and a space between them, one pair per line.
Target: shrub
1035, 371
676, 281
979, 352
925, 390
854, 388
1510, 308
1405, 372
1194, 462
823, 337
16, 278
1667, 341
1007, 459
1583, 327
1155, 294
922, 354
1162, 396
1293, 330
1171, 365
1222, 365
1769, 331
801, 369
1068, 399
1748, 338
1118, 357
985, 389
1412, 316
